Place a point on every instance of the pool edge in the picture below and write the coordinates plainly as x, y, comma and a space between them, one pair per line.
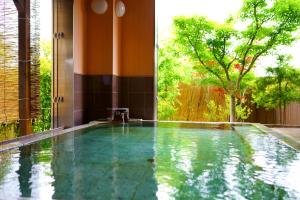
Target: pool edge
35, 137
282, 137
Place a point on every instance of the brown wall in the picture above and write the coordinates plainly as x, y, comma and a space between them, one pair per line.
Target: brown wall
92, 39
106, 44
80, 32
117, 42
99, 41
138, 38
114, 60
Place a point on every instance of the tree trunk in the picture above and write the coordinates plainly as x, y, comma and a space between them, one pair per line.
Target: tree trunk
284, 113
232, 108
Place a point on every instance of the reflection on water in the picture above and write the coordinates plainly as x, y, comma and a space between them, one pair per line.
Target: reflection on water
8, 131
24, 171
27, 172
153, 163
215, 164
109, 163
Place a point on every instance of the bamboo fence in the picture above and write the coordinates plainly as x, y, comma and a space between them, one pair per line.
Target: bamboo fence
193, 102
9, 95
9, 72
193, 106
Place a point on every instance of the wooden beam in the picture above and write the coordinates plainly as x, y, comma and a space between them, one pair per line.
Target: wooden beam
23, 7
19, 5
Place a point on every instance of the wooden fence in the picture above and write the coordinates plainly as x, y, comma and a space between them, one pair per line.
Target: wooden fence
193, 106
290, 117
19, 43
193, 103
9, 95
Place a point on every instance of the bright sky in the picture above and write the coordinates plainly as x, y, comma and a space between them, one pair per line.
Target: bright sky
216, 10
46, 19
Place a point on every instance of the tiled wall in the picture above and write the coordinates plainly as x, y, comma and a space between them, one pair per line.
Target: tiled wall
114, 60
95, 93
137, 94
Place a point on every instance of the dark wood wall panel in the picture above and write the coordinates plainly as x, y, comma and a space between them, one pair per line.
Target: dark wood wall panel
63, 69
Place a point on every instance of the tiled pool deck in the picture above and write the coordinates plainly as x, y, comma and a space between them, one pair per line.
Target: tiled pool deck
29, 139
293, 133
285, 136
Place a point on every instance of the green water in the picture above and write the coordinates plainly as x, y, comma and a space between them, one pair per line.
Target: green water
168, 161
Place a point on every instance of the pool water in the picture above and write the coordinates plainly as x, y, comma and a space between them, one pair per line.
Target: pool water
153, 161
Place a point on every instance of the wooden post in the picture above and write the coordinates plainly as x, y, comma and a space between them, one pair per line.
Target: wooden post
23, 7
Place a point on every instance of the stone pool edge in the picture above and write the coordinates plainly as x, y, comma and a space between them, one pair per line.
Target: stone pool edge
282, 137
32, 138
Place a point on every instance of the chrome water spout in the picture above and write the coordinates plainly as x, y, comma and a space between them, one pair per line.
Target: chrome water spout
123, 117
119, 114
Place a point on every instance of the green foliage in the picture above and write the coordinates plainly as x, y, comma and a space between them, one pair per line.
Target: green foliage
216, 112
5, 165
280, 87
227, 55
243, 111
44, 121
8, 131
172, 70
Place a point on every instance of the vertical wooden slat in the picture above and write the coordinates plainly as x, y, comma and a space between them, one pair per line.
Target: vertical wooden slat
54, 67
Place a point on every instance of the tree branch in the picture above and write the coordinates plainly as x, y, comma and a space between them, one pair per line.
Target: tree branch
221, 63
204, 65
249, 43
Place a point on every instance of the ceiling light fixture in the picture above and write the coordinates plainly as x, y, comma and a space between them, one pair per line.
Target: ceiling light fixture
120, 9
99, 6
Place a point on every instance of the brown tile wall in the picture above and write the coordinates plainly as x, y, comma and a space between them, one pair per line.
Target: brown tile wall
95, 93
137, 93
